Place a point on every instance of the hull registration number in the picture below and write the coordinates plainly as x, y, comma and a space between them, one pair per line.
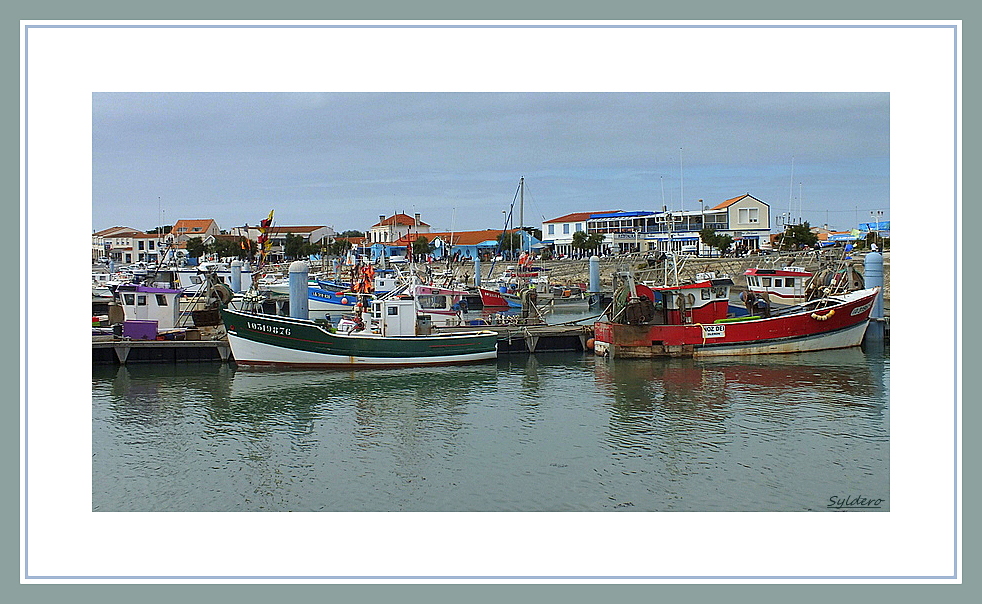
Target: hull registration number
714, 331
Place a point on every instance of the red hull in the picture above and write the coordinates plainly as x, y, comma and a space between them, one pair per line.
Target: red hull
492, 299
838, 326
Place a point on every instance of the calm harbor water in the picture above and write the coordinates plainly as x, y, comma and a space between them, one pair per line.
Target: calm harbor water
543, 432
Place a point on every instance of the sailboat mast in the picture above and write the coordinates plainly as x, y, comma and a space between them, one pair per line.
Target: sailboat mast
521, 206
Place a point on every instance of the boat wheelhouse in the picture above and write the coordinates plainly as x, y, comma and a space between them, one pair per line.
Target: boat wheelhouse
786, 285
692, 319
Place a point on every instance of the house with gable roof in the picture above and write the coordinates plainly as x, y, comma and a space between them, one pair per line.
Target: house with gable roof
126, 246
391, 229
186, 229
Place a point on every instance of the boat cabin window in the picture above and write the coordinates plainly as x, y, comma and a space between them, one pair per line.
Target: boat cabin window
777, 283
393, 310
141, 300
432, 301
161, 300
789, 282
129, 299
705, 294
195, 279
766, 281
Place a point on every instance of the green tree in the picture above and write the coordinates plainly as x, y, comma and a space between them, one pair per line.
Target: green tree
223, 248
296, 247
339, 247
509, 242
195, 247
348, 234
534, 232
798, 235
422, 246
711, 238
585, 243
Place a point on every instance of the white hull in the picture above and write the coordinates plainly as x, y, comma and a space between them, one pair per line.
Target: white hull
846, 338
250, 352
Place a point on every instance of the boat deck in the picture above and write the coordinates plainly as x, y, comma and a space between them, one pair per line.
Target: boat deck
534, 338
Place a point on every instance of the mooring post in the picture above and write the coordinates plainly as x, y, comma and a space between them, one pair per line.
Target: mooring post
298, 290
594, 275
237, 276
873, 277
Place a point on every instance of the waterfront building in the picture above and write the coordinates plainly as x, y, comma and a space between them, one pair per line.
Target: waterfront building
462, 245
186, 229
557, 233
391, 229
745, 218
126, 246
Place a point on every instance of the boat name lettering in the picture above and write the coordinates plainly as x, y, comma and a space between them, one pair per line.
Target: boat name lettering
274, 329
714, 331
861, 309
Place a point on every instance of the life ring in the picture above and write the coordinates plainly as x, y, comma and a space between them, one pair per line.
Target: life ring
824, 317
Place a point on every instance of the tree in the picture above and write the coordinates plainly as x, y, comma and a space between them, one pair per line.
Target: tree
195, 247
709, 237
339, 247
422, 246
297, 247
347, 234
161, 230
509, 242
585, 243
534, 232
797, 236
223, 248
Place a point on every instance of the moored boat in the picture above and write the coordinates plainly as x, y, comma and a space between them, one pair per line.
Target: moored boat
393, 335
691, 320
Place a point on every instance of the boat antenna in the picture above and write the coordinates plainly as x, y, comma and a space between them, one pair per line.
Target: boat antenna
791, 192
681, 183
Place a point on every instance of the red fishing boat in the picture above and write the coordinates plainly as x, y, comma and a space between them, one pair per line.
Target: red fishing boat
691, 320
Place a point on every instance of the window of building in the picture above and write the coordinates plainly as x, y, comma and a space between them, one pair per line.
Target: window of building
579, 227
565, 229
749, 215
139, 245
552, 229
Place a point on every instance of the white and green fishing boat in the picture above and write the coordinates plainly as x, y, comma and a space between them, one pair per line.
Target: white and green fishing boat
394, 334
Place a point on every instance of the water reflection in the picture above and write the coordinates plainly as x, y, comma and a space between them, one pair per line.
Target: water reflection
549, 432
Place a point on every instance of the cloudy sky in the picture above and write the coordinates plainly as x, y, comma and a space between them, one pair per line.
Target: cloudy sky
344, 159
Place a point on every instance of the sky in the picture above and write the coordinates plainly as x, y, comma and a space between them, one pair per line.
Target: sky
344, 159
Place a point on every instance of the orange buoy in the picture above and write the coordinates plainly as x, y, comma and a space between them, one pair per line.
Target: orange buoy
589, 344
